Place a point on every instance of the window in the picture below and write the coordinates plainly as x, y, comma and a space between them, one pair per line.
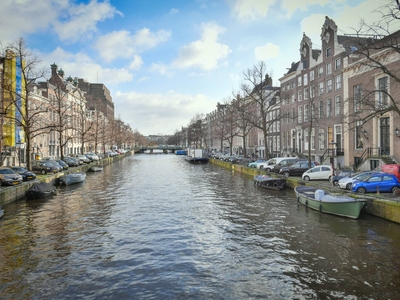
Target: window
338, 82
292, 85
321, 88
357, 97
321, 140
306, 94
329, 85
312, 75
321, 108
320, 71
328, 52
312, 139
383, 91
299, 81
300, 114
305, 140
329, 107
312, 91
305, 79
306, 112
312, 110
337, 63
328, 68
293, 98
338, 105
293, 114
358, 135
300, 96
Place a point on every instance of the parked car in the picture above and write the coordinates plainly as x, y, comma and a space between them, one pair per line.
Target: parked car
62, 163
318, 173
270, 164
343, 174
9, 177
43, 167
255, 163
83, 158
237, 159
111, 153
284, 163
346, 182
26, 175
71, 162
92, 156
297, 169
385, 182
54, 163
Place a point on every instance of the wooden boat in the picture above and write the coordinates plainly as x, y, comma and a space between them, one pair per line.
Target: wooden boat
269, 182
96, 168
73, 178
322, 201
40, 190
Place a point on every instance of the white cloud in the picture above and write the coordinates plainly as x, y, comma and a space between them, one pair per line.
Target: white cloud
81, 19
266, 52
160, 68
136, 63
173, 11
160, 113
292, 5
125, 45
81, 65
205, 53
250, 9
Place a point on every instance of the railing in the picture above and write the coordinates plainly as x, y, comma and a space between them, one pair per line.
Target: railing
375, 152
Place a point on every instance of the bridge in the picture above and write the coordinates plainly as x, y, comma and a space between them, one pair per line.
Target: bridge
164, 148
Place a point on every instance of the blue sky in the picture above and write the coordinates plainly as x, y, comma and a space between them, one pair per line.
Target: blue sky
166, 61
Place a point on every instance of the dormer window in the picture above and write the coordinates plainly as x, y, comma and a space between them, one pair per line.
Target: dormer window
328, 52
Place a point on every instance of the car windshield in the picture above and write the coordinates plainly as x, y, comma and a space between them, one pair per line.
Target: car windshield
20, 170
6, 171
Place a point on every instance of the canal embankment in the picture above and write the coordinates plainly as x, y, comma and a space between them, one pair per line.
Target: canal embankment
384, 205
11, 193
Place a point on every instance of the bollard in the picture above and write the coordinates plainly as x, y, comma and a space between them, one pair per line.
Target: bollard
377, 190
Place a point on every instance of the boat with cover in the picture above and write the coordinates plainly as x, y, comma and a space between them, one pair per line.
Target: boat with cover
40, 190
322, 201
269, 182
96, 168
73, 178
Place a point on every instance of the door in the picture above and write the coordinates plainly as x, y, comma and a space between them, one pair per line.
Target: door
385, 136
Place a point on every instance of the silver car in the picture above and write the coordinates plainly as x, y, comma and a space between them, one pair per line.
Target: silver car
9, 177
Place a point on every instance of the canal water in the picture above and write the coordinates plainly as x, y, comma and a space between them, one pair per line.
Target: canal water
156, 227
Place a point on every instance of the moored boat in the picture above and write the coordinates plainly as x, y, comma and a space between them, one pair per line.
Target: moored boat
40, 190
180, 152
322, 201
196, 156
73, 178
269, 182
96, 168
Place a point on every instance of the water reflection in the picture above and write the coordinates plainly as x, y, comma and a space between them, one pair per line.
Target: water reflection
154, 226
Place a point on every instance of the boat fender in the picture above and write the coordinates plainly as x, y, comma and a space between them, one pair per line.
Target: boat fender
306, 203
298, 199
320, 207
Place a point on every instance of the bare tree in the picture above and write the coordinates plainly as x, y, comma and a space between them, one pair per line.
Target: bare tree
257, 87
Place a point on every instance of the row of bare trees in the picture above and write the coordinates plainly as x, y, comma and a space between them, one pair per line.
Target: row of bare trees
58, 110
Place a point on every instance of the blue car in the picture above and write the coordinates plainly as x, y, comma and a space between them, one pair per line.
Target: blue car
383, 181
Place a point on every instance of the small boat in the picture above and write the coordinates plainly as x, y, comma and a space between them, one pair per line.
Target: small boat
322, 201
96, 168
40, 190
180, 152
269, 182
196, 156
73, 178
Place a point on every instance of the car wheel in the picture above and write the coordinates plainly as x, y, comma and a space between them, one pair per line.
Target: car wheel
286, 174
335, 183
261, 167
268, 169
361, 190
395, 189
306, 178
348, 186
43, 172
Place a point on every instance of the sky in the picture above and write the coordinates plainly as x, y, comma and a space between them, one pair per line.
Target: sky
164, 61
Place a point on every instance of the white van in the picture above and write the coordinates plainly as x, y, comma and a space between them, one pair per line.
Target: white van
270, 164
